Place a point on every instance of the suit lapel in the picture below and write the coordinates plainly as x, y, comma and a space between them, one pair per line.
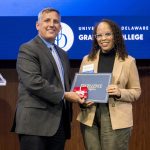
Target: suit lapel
117, 70
48, 54
63, 61
96, 62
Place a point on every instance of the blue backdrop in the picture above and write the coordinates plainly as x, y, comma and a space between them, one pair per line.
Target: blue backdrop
17, 24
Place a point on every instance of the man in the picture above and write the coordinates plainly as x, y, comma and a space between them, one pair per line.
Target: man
43, 112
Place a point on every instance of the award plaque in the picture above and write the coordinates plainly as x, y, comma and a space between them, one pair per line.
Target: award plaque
82, 91
96, 84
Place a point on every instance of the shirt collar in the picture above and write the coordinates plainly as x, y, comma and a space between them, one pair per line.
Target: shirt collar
48, 44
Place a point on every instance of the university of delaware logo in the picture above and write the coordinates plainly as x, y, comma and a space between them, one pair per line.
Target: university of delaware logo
65, 37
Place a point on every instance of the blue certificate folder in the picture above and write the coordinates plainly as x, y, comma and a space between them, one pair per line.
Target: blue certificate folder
96, 83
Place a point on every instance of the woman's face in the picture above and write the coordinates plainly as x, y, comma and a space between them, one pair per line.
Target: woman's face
105, 37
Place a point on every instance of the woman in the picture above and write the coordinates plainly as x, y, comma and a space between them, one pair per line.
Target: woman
107, 126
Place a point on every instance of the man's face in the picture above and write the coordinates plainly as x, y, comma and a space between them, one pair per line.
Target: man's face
49, 26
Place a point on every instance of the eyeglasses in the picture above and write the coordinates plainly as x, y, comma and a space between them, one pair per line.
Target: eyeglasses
106, 35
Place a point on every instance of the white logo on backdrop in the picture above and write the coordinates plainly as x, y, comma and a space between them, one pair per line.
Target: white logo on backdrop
65, 37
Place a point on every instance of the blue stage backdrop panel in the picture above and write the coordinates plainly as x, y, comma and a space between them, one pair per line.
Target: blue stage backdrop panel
18, 18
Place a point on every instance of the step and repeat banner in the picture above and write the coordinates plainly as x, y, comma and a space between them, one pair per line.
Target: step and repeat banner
17, 25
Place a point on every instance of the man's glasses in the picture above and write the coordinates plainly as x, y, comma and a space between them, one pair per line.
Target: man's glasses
106, 35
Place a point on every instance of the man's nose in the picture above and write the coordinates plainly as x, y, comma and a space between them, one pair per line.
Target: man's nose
51, 23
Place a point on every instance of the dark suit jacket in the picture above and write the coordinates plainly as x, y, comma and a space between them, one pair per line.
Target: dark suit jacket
40, 90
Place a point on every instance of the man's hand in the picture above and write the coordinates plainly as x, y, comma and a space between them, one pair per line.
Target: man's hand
73, 97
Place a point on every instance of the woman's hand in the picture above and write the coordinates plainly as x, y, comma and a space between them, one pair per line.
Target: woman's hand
88, 103
114, 90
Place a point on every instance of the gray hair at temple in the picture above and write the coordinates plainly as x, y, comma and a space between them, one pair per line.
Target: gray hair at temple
47, 10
